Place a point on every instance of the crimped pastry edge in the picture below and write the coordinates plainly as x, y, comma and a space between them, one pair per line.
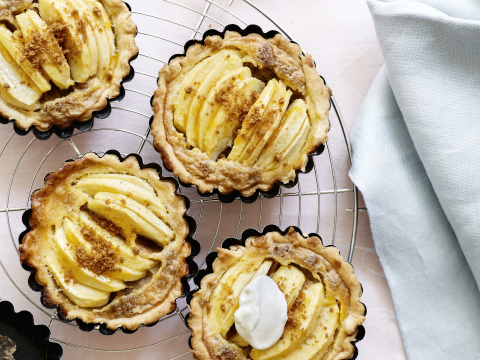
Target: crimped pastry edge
99, 99
206, 279
39, 280
226, 191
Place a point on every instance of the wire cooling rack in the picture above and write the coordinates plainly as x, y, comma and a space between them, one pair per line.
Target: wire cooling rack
163, 29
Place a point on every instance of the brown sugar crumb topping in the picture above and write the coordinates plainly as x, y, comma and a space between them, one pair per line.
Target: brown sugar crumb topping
103, 258
6, 85
188, 89
106, 224
38, 45
59, 31
236, 103
96, 11
68, 276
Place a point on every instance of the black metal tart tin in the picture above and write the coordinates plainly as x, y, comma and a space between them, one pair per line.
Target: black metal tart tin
64, 133
228, 198
194, 244
227, 243
32, 340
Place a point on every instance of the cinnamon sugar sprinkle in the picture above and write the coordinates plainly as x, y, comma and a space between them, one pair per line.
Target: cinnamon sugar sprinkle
235, 102
105, 224
60, 31
103, 258
96, 11
38, 45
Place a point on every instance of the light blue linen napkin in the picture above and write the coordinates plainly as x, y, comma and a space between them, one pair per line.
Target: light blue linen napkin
416, 159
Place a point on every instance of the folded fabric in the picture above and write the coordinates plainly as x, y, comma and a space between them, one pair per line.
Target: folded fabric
415, 153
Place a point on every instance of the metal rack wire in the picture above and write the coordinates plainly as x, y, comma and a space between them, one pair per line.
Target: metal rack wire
144, 142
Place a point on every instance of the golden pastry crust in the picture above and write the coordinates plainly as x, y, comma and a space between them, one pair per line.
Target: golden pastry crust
83, 98
325, 265
278, 58
143, 301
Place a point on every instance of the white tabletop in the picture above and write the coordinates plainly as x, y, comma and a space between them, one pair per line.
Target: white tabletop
341, 38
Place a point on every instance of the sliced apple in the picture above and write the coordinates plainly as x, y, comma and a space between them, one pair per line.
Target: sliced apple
268, 125
127, 178
131, 260
101, 38
125, 212
144, 196
238, 340
210, 107
80, 294
54, 62
224, 301
84, 26
14, 46
74, 236
99, 11
58, 13
315, 347
226, 62
14, 84
125, 273
187, 90
298, 143
289, 280
291, 132
222, 129
257, 111
306, 312
81, 274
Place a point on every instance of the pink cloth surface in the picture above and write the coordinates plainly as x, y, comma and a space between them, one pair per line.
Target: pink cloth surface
341, 38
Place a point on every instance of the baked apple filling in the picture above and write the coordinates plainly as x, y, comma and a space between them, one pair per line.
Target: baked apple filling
61, 59
321, 292
108, 241
239, 113
97, 254
221, 106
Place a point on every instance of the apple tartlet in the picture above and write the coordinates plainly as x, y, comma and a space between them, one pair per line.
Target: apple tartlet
60, 60
239, 113
108, 241
321, 291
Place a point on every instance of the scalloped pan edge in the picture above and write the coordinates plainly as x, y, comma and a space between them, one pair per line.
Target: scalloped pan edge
30, 339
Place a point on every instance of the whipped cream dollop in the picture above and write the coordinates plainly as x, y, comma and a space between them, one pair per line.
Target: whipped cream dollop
262, 314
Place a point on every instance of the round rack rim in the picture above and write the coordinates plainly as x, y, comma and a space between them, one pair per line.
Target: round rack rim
144, 140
